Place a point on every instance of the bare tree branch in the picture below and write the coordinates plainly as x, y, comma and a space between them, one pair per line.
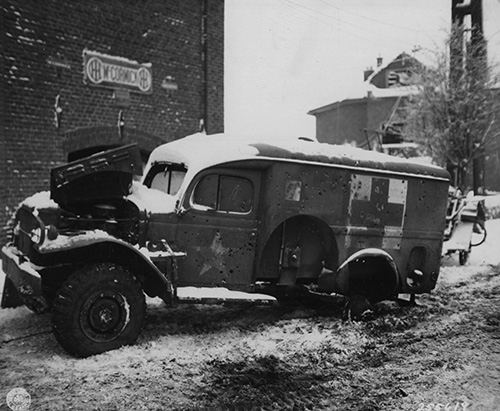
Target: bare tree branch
453, 115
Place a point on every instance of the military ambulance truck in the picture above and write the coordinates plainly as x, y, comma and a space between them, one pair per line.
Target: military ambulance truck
218, 211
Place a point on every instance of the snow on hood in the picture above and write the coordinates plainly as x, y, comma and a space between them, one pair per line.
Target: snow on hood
68, 241
145, 198
40, 200
152, 200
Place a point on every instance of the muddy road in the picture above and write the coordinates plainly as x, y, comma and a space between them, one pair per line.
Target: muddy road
444, 351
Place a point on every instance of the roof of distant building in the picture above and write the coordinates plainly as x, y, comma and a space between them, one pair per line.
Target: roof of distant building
370, 88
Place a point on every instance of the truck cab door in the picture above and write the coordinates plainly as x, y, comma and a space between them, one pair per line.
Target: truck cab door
218, 229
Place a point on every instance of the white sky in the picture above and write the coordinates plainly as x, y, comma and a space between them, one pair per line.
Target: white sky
286, 57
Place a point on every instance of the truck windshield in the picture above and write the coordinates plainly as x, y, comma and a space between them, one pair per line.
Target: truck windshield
166, 177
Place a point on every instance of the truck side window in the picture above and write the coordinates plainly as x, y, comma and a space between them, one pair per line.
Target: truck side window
224, 193
166, 177
176, 179
160, 181
205, 193
235, 194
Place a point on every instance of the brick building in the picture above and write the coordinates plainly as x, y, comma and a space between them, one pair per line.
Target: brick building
80, 76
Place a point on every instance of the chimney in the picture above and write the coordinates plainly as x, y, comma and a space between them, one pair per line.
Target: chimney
379, 61
367, 73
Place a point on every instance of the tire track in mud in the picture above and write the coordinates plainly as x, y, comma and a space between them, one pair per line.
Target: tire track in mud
280, 357
407, 352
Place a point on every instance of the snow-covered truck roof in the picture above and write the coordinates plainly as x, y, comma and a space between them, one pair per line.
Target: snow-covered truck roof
199, 151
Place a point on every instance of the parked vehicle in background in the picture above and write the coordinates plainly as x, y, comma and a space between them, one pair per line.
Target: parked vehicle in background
216, 211
464, 224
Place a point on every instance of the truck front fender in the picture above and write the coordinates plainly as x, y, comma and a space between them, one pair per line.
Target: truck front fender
95, 246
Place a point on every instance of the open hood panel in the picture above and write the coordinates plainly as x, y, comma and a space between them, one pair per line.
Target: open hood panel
102, 176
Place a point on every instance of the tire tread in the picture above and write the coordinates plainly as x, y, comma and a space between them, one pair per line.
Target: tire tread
71, 295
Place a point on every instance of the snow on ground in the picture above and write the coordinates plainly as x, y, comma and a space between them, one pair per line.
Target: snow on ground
492, 204
484, 254
489, 251
481, 258
445, 350
273, 357
219, 293
7, 314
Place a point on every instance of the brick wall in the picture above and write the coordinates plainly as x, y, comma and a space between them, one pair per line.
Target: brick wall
35, 34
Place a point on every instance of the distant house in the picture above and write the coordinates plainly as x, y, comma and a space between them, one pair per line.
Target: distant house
377, 115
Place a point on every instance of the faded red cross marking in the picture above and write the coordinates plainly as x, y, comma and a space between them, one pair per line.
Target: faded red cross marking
377, 202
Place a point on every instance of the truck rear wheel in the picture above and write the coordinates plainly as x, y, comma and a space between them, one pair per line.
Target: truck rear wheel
99, 308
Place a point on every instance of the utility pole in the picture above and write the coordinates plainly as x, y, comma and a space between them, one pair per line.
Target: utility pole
460, 9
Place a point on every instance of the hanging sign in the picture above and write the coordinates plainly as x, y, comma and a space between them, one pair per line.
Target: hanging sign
112, 71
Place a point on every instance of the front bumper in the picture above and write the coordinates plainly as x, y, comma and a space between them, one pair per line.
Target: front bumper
23, 284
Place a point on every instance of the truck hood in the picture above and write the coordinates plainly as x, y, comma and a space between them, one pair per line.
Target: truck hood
151, 200
104, 176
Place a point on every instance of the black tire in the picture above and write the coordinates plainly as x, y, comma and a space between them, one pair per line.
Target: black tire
480, 229
356, 306
291, 295
98, 308
463, 256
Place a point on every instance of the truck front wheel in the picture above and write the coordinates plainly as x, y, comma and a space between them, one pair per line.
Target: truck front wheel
99, 308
